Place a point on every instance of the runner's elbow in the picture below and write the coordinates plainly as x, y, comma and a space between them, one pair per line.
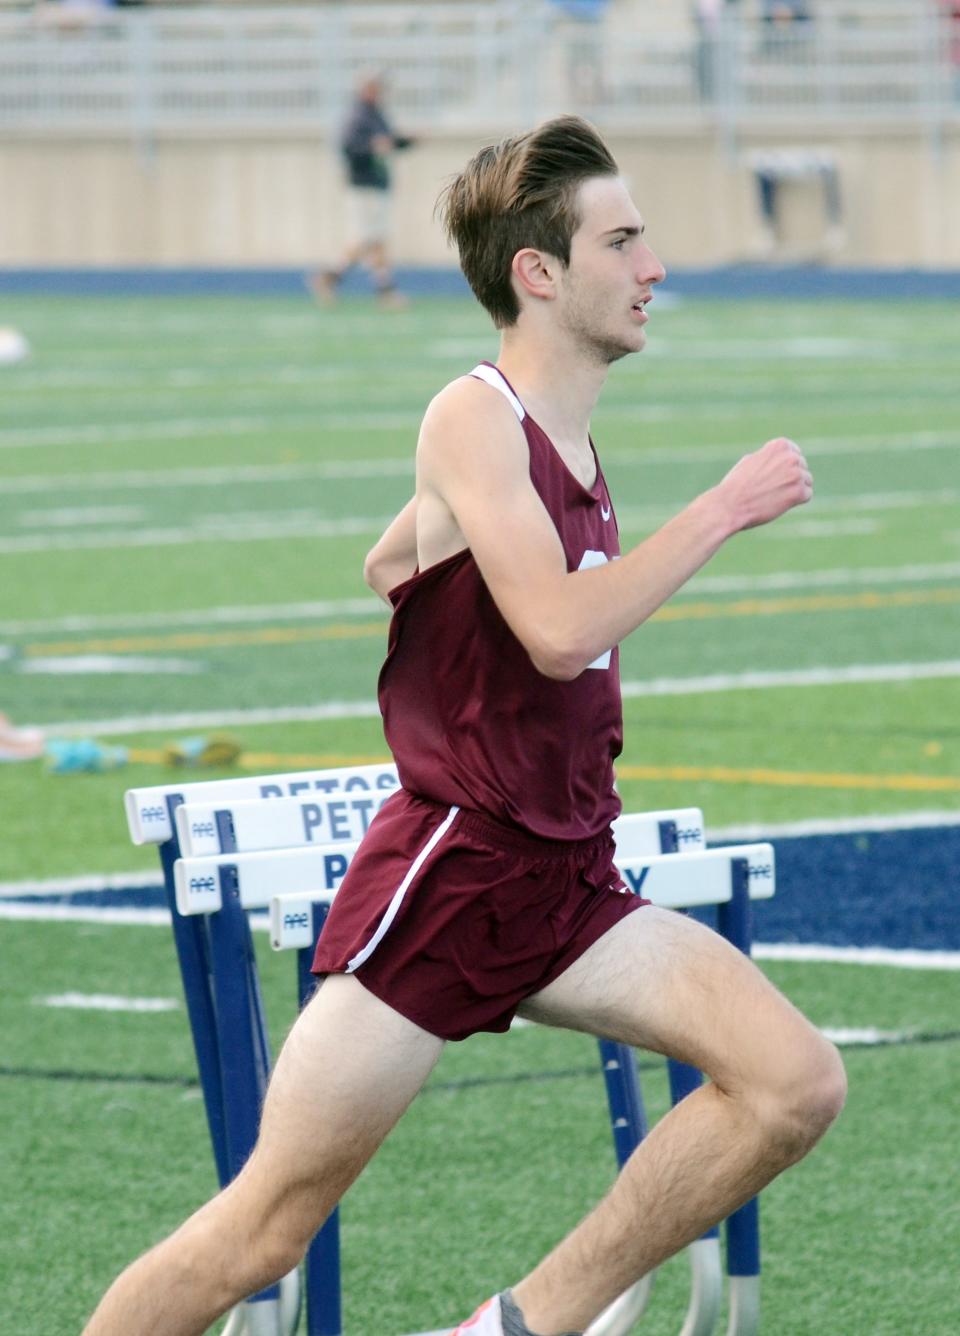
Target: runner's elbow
381, 573
372, 569
557, 656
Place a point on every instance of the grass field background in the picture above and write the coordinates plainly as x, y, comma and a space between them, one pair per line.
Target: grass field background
188, 488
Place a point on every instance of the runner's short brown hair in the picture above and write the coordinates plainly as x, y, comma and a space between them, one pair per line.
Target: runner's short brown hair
520, 192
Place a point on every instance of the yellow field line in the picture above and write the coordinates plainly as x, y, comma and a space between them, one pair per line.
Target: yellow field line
800, 779
270, 635
711, 774
769, 607
868, 600
265, 760
306, 761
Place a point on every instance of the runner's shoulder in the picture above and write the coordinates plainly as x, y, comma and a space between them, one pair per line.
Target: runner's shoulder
465, 408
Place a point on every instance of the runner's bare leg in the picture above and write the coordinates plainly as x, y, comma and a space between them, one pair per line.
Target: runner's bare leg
663, 982
348, 1070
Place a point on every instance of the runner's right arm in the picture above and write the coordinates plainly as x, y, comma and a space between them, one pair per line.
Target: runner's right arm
474, 490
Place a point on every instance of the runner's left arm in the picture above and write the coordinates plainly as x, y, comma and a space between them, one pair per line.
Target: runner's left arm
394, 558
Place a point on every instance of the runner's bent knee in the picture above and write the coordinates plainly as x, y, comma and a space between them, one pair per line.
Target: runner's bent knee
661, 981
797, 1111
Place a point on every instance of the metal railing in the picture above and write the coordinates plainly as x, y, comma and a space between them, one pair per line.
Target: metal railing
463, 66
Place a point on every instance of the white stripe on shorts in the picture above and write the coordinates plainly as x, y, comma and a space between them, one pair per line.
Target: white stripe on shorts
400, 892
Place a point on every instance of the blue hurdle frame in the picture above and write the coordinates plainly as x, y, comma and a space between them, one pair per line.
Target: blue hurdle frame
225, 1010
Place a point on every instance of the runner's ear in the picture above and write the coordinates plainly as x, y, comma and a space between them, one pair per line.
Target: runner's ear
534, 271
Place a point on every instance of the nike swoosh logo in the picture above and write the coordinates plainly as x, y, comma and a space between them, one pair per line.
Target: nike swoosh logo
605, 511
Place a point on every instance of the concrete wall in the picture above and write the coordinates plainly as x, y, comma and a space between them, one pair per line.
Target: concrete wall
277, 201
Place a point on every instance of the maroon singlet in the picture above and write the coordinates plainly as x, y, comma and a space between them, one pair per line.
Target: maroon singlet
469, 719
491, 870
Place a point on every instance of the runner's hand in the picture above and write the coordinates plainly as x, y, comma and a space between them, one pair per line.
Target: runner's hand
767, 483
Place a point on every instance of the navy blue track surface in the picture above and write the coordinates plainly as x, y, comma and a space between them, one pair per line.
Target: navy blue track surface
892, 888
726, 282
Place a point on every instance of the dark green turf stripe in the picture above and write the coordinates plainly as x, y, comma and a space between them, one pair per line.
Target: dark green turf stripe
111, 1078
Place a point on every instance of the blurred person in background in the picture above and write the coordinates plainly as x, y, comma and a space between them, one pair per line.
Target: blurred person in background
366, 144
785, 12
708, 16
951, 19
74, 15
786, 22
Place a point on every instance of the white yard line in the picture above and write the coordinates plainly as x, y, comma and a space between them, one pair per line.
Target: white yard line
115, 916
814, 445
291, 714
224, 530
256, 474
916, 573
905, 959
147, 430
82, 665
108, 881
106, 1002
368, 709
856, 525
860, 825
899, 500
231, 614
795, 677
865, 1036
65, 517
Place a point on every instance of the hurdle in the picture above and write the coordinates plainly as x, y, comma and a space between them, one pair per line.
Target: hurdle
225, 1008
284, 843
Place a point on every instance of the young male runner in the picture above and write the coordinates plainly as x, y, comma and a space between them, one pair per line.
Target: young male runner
486, 885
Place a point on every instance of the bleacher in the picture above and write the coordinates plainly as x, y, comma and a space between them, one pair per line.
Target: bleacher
153, 67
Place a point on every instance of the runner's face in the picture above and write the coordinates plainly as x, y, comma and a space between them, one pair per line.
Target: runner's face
605, 289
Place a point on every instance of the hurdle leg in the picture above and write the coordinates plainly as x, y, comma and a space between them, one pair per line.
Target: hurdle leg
628, 1122
743, 1268
324, 1317
734, 921
706, 1271
244, 1061
190, 940
628, 1119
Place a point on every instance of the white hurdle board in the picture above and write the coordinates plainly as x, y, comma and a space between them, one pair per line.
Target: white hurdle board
639, 833
148, 815
281, 831
277, 854
672, 881
277, 823
287, 823
675, 881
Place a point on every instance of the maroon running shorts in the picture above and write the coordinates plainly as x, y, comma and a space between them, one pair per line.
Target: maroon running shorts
452, 919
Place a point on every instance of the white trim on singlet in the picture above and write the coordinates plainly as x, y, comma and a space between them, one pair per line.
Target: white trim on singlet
495, 378
391, 911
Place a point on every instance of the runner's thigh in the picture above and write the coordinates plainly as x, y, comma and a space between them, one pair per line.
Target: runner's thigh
661, 981
349, 1068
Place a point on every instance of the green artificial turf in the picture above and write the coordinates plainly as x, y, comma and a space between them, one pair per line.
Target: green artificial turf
194, 481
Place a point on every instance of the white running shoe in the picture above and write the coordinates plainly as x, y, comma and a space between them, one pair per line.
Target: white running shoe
485, 1321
